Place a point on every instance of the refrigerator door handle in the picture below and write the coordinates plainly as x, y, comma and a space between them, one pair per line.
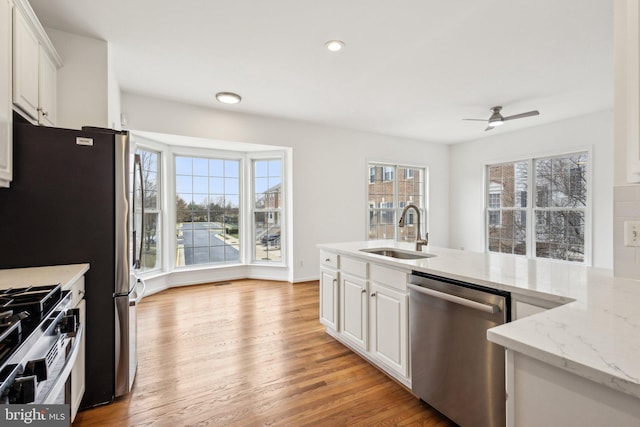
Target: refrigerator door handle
141, 294
137, 258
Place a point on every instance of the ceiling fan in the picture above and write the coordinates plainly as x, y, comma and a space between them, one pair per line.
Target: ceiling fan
496, 119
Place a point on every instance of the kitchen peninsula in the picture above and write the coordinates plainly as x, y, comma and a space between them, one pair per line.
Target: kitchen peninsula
575, 364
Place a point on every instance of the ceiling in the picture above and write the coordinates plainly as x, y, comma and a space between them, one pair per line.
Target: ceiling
411, 68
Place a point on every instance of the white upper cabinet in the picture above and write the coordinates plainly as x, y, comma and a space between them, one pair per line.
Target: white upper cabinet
47, 89
26, 54
6, 143
35, 65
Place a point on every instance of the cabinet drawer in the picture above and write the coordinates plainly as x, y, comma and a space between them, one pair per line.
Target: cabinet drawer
387, 276
77, 291
354, 267
329, 259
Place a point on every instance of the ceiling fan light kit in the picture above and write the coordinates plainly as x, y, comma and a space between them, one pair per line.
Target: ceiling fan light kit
496, 119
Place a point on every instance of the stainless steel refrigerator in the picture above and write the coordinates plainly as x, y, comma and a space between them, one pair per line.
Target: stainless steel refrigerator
70, 202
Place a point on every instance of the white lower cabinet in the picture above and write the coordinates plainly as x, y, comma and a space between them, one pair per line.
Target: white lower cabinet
368, 311
540, 394
354, 310
329, 300
389, 327
524, 306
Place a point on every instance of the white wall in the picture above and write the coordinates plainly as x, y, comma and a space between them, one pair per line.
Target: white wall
469, 159
82, 80
329, 168
113, 93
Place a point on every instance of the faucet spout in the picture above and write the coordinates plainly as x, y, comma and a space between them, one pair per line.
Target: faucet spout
420, 242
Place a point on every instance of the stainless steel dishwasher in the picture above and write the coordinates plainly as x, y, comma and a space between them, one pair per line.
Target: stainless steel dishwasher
455, 369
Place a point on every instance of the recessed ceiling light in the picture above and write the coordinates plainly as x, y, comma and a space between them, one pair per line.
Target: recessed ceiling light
228, 97
334, 45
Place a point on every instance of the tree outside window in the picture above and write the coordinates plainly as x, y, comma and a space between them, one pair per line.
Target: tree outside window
151, 259
558, 214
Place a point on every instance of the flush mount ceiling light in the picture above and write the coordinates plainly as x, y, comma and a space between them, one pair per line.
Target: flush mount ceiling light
334, 45
228, 97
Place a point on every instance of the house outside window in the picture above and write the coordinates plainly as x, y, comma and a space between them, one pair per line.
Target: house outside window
550, 221
268, 204
390, 189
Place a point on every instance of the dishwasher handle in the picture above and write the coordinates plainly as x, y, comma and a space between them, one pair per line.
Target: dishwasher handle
487, 308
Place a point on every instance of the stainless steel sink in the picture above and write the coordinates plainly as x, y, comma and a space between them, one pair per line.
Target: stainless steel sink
397, 253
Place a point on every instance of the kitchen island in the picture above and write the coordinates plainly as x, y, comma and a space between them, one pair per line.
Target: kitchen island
576, 364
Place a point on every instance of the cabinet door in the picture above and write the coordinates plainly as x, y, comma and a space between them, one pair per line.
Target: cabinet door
26, 52
47, 90
77, 373
389, 328
6, 141
329, 298
353, 292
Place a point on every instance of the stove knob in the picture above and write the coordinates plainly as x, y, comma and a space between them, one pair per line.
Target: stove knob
23, 390
37, 367
69, 322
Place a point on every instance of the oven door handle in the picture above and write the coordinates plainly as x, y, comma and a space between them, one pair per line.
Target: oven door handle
66, 371
487, 308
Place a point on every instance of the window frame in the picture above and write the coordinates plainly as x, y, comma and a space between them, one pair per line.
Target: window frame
397, 210
209, 155
531, 208
160, 207
253, 158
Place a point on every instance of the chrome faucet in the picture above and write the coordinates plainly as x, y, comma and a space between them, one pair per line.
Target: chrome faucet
419, 241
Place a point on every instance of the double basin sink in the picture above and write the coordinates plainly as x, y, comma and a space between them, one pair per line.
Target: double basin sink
397, 253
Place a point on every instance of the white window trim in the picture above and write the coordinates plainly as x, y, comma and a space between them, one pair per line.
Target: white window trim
424, 210
588, 226
139, 142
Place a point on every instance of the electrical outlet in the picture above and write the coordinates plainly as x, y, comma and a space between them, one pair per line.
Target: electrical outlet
632, 233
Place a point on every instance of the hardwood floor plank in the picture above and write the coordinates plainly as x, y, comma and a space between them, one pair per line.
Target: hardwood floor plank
251, 353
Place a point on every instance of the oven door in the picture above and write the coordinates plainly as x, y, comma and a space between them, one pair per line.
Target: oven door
60, 389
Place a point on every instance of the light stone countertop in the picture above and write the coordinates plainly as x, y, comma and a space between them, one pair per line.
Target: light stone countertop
66, 275
596, 334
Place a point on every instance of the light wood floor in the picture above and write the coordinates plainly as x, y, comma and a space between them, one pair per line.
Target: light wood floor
251, 353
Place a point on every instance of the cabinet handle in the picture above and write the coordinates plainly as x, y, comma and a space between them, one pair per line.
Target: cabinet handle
327, 260
373, 294
363, 291
335, 281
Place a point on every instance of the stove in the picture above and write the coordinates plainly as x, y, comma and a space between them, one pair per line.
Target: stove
39, 340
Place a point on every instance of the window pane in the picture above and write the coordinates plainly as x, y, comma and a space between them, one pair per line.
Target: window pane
267, 197
150, 258
267, 232
562, 181
390, 189
560, 235
207, 211
507, 231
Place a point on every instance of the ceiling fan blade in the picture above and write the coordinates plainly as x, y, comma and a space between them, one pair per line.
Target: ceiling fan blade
489, 128
522, 115
477, 120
